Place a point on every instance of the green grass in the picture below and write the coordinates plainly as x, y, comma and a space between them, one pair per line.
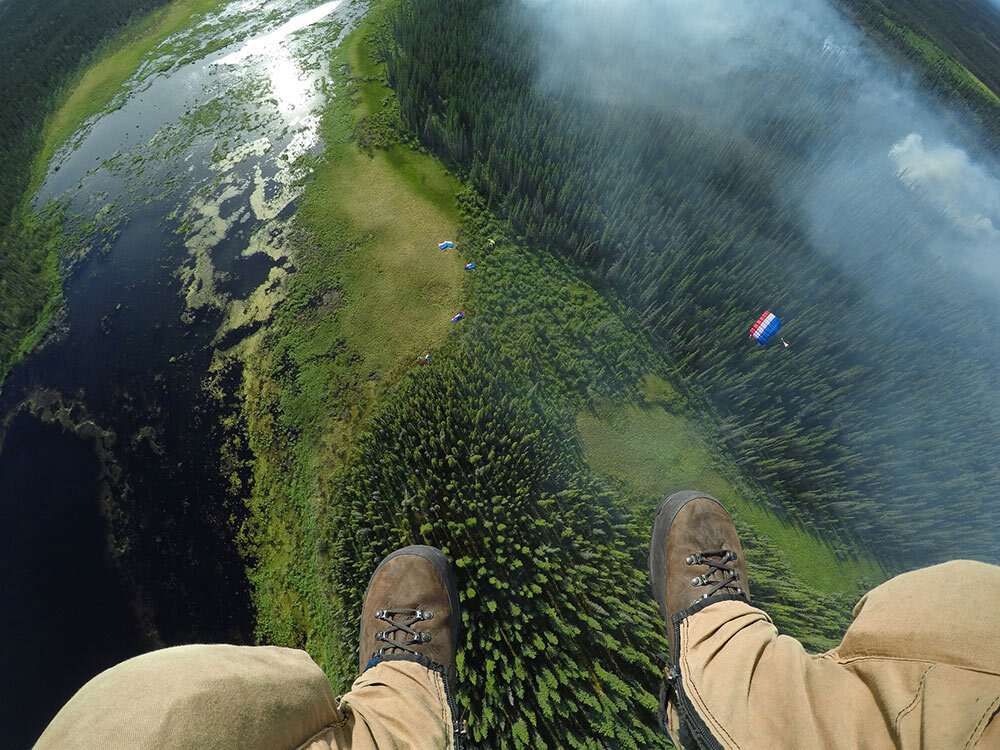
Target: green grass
935, 58
654, 452
400, 290
377, 217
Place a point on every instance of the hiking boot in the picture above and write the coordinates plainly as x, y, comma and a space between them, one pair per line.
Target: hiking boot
695, 558
412, 612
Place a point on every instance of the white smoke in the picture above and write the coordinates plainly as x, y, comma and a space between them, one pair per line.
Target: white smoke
889, 185
732, 66
944, 174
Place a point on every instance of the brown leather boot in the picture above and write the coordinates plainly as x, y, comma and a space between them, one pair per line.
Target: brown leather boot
412, 612
695, 559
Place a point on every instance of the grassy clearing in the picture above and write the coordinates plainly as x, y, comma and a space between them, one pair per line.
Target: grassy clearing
654, 452
376, 217
93, 89
937, 61
372, 295
400, 290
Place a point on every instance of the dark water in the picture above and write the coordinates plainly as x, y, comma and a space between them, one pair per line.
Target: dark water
119, 519
130, 366
66, 613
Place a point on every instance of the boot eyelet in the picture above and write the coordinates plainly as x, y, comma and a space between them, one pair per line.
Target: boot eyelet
691, 559
696, 581
425, 637
379, 614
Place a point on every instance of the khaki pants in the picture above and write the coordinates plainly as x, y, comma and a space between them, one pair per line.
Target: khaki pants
251, 698
918, 668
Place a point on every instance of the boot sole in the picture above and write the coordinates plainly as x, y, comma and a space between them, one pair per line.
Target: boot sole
436, 558
666, 511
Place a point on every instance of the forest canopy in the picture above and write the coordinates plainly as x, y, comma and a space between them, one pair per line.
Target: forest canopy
880, 420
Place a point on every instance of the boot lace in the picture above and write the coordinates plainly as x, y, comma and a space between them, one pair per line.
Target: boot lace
404, 626
717, 561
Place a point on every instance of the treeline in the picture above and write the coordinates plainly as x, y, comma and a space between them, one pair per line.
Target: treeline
475, 453
562, 643
535, 316
28, 273
944, 42
534, 312
966, 31
878, 422
43, 44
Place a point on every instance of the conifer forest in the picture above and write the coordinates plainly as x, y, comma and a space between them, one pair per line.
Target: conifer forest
881, 421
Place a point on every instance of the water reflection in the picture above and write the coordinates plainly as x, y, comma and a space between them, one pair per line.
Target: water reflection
288, 85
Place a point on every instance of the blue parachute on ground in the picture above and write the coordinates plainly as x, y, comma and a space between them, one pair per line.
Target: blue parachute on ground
459, 316
469, 266
445, 245
766, 326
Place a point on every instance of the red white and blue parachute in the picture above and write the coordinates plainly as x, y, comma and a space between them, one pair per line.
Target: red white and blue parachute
766, 326
469, 266
445, 245
459, 316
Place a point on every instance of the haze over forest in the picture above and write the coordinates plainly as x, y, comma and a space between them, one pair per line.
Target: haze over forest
894, 190
832, 190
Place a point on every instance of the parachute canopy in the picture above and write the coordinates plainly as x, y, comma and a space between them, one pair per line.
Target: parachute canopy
445, 245
765, 327
459, 316
469, 266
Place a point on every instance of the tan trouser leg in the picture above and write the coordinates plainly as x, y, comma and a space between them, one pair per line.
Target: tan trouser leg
919, 667
251, 698
395, 704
